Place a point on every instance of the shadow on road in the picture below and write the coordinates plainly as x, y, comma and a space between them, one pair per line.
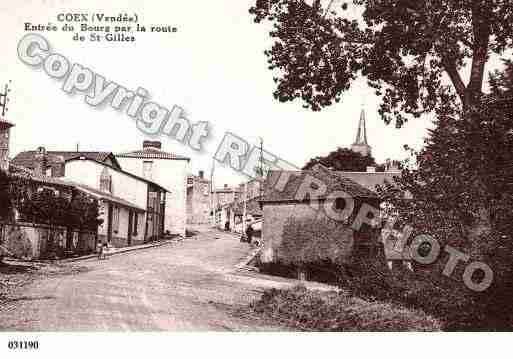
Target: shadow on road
6, 268
25, 298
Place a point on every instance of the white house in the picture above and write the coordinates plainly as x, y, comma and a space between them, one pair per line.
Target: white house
138, 215
167, 170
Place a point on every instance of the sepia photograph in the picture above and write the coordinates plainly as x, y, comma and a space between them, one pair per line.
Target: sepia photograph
315, 174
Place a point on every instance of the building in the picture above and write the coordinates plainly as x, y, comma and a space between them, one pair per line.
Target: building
167, 170
199, 200
5, 135
280, 204
226, 195
132, 207
360, 144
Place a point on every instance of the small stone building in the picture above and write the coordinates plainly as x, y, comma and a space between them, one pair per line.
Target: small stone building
318, 193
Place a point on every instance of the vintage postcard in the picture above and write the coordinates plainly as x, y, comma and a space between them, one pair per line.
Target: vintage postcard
261, 166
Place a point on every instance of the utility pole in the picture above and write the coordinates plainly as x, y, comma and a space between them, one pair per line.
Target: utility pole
212, 193
244, 210
262, 176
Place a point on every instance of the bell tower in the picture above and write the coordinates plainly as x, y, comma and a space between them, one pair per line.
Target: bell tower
360, 144
5, 130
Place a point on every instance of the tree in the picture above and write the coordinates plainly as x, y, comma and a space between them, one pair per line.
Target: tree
342, 159
412, 53
406, 49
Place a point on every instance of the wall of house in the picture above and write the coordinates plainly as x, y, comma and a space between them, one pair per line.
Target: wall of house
30, 241
224, 197
120, 237
198, 202
172, 175
124, 186
274, 218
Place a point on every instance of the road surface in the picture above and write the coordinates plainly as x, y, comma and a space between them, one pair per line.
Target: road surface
183, 286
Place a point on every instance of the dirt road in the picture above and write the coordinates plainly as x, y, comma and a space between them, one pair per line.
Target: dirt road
180, 286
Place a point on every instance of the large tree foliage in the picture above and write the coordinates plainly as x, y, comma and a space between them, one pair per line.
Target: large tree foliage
342, 159
462, 192
412, 52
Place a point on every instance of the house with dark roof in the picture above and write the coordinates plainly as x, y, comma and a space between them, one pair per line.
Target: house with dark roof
56, 160
318, 193
166, 169
132, 207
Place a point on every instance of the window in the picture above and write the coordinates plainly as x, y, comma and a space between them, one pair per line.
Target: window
115, 219
136, 223
147, 169
105, 181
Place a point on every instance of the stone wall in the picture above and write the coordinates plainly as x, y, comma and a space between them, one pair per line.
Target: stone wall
30, 241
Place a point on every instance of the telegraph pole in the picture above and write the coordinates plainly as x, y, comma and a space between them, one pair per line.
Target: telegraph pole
212, 193
261, 180
4, 99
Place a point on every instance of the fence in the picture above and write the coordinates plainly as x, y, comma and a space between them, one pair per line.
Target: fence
36, 241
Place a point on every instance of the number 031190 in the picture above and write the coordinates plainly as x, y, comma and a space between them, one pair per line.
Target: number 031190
23, 345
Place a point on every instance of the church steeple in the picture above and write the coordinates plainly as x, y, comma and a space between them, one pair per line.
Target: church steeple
360, 144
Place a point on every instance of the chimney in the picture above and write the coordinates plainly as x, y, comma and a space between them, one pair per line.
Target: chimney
371, 169
41, 162
225, 186
152, 144
58, 167
201, 174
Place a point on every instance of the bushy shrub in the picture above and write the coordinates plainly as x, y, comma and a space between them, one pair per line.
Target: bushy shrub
17, 243
457, 307
314, 240
306, 310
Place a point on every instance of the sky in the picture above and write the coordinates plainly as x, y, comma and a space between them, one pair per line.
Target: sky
213, 66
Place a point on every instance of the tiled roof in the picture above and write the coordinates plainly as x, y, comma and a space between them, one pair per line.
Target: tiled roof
228, 190
152, 153
5, 124
370, 180
106, 196
334, 181
20, 171
28, 158
27, 173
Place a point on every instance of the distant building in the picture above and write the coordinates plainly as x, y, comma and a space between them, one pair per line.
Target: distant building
360, 144
226, 195
167, 170
198, 199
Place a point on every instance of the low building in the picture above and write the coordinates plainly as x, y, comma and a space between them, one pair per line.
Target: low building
281, 202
